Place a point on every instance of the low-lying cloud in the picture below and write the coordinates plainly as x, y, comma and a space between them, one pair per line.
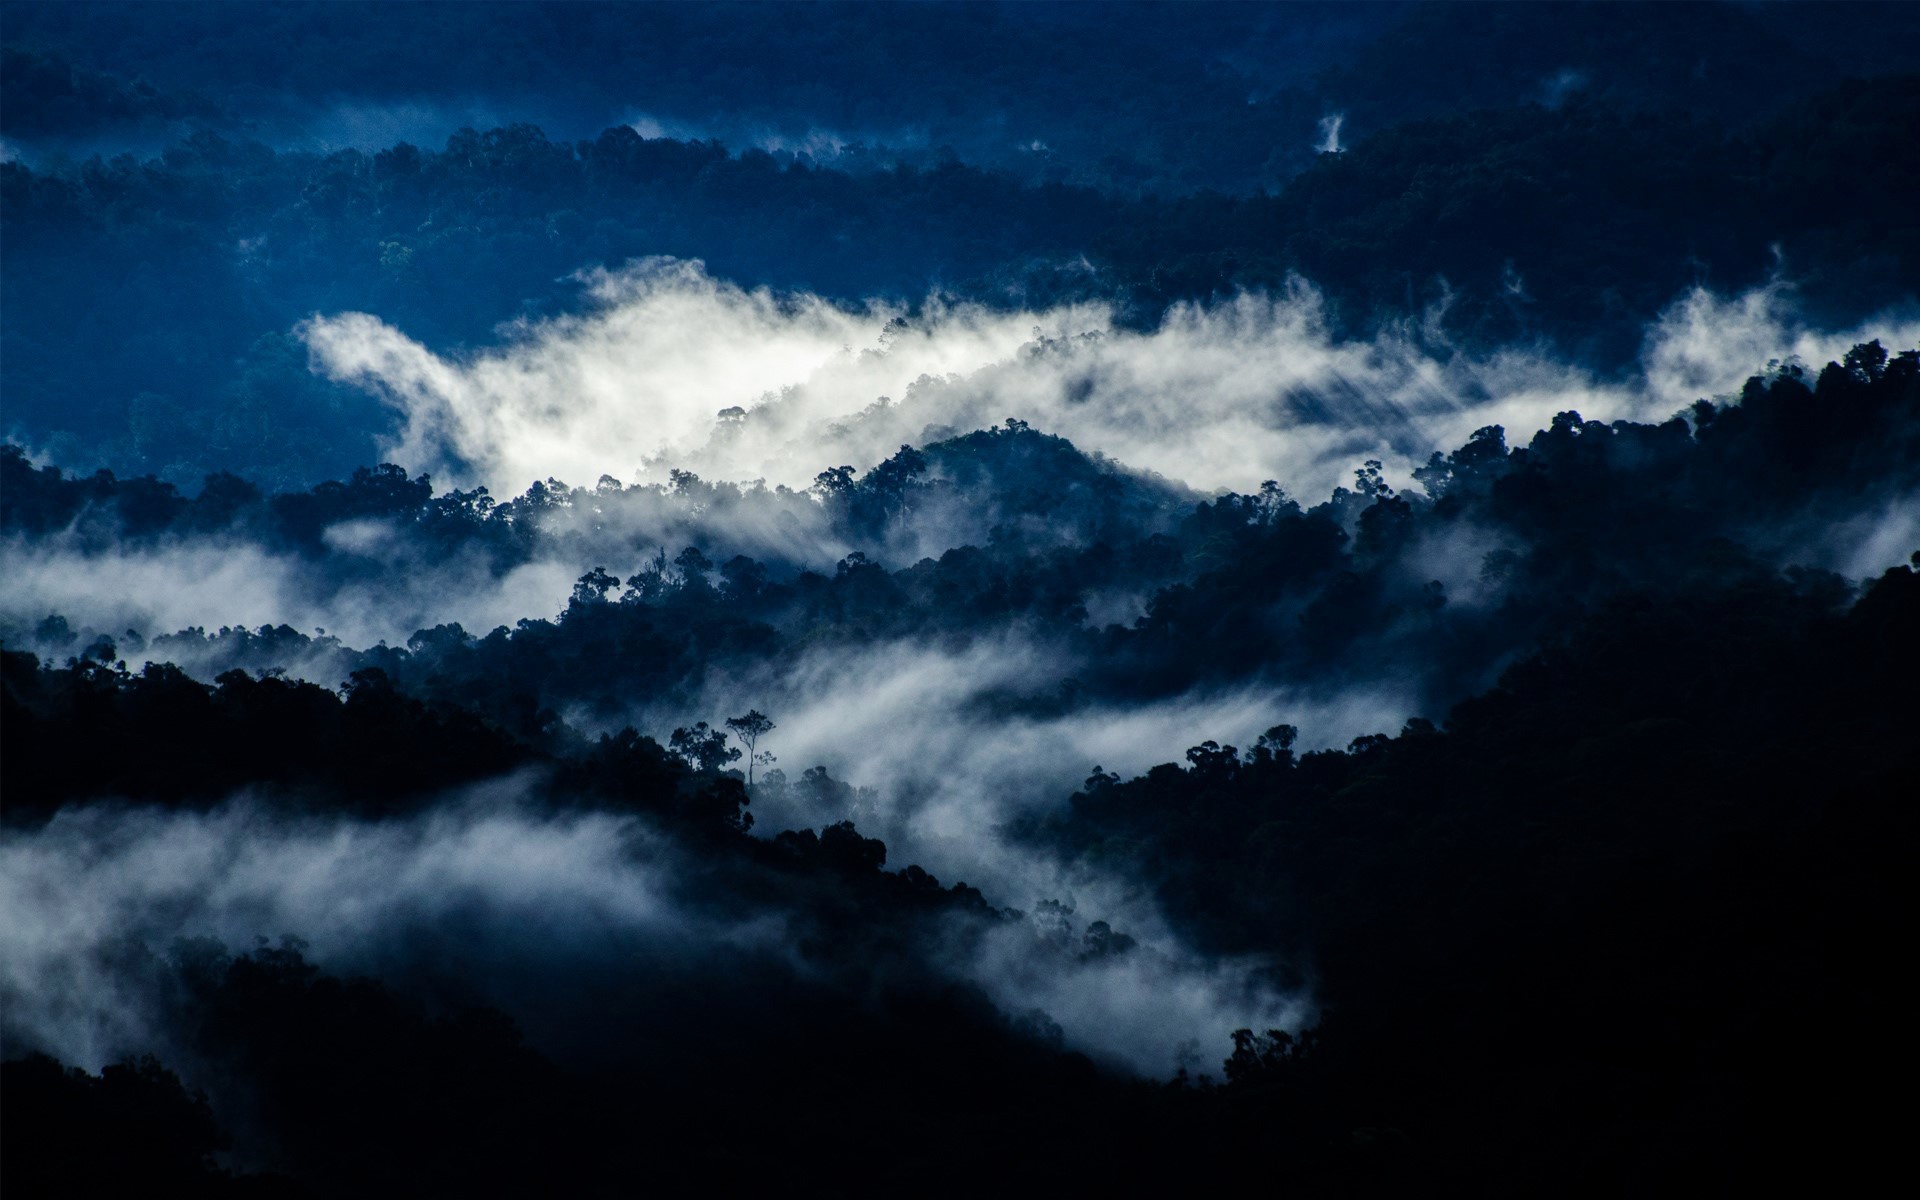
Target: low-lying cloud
1220, 395
98, 877
227, 581
519, 905
956, 741
1706, 345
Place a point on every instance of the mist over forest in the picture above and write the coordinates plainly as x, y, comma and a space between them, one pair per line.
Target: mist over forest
607, 598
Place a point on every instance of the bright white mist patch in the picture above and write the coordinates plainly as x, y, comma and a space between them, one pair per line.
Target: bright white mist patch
1222, 395
1706, 345
665, 349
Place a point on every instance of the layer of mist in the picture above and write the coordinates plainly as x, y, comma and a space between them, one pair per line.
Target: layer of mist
1223, 395
521, 909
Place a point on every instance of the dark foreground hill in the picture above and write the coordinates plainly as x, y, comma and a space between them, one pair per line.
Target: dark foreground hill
1632, 915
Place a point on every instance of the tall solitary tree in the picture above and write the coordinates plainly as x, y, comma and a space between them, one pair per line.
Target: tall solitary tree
748, 729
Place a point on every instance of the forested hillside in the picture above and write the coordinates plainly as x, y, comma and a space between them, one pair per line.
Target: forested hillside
606, 598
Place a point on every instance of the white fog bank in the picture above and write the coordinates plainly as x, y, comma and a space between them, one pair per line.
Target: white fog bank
1221, 395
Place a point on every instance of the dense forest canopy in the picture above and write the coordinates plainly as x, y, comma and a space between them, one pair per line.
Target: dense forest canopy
612, 597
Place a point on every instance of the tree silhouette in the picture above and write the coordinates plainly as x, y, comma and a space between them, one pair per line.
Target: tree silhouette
748, 729
702, 748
